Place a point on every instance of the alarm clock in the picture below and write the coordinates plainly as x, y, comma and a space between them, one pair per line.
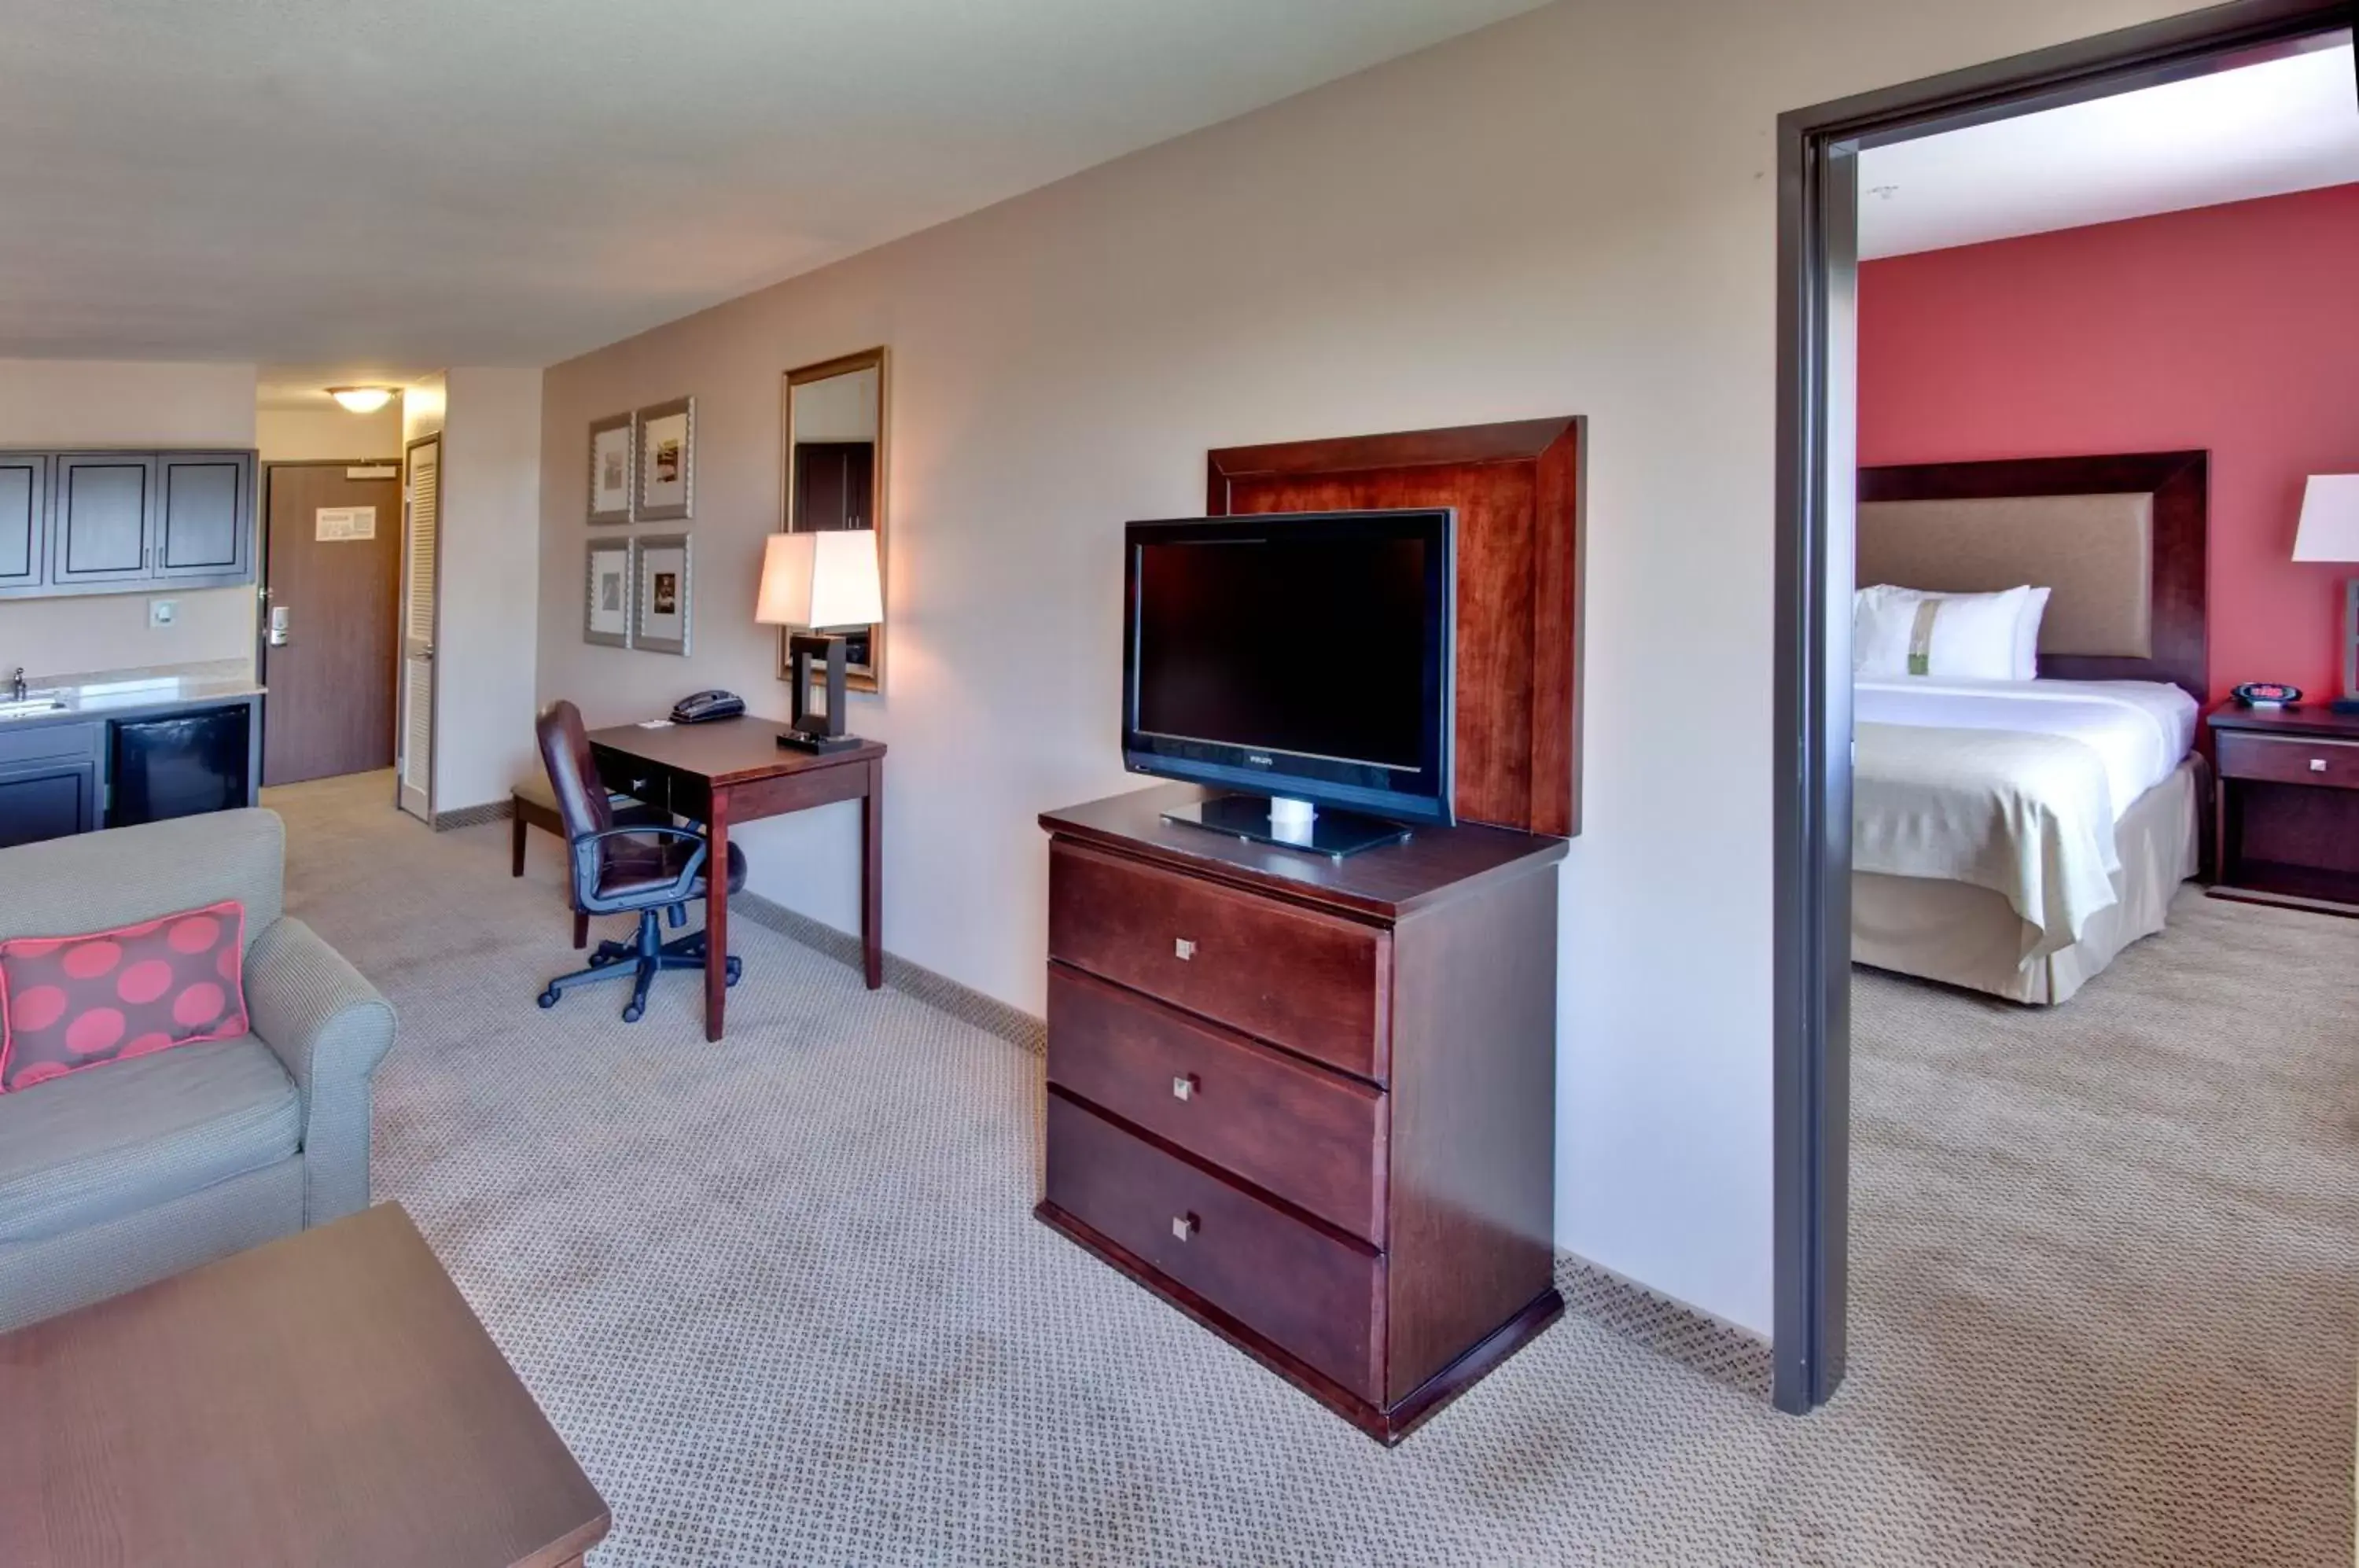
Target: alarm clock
2267, 695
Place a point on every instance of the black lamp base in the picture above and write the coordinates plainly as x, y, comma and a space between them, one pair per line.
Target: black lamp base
817, 733
820, 746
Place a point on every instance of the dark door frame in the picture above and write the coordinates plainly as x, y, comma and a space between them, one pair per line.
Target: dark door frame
262, 584
1817, 273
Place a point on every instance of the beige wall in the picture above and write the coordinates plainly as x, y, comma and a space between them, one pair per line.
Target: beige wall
324, 434
490, 584
1570, 213
422, 404
96, 403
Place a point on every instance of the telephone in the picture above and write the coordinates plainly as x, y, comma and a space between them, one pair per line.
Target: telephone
698, 707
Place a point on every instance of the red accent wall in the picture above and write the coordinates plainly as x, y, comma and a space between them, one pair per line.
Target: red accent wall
2235, 329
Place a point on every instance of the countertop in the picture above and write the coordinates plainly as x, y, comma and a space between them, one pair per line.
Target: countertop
114, 693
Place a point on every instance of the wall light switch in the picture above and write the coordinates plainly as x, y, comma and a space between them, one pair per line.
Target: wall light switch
163, 612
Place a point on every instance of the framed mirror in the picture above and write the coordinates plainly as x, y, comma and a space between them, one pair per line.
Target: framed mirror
835, 443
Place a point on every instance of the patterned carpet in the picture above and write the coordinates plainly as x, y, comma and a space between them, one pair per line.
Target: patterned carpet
784, 1296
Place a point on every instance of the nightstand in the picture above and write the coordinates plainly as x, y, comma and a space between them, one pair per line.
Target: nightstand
2288, 805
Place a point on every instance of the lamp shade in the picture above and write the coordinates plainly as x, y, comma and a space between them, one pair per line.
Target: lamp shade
824, 579
2330, 518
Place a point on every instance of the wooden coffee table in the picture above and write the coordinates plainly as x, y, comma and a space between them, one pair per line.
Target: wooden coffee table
326, 1399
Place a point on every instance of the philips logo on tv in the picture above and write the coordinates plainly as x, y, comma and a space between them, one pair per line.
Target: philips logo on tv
1256, 759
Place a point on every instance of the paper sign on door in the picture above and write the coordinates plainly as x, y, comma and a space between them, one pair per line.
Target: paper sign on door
338, 523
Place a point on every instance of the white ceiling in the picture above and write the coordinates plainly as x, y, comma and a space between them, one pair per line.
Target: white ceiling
2286, 125
363, 190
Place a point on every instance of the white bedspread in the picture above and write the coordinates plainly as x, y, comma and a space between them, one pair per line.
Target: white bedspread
2013, 786
2141, 730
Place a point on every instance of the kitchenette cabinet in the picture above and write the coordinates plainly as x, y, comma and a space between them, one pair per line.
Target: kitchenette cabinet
48, 782
119, 522
115, 758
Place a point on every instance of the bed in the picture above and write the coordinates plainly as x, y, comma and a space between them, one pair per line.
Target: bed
2015, 836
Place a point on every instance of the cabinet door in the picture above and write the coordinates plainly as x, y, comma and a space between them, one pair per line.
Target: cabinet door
47, 799
102, 521
207, 513
24, 519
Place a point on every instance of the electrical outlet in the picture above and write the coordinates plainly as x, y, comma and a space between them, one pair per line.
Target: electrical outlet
163, 612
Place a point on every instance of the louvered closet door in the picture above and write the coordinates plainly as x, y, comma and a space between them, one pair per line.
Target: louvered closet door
422, 488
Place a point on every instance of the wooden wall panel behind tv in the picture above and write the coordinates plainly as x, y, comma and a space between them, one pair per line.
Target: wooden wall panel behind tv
1517, 486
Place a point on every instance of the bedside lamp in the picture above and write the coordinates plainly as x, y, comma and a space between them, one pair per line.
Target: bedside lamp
812, 581
2330, 531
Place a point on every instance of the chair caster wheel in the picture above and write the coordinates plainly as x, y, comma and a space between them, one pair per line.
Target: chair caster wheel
631, 1014
547, 998
733, 969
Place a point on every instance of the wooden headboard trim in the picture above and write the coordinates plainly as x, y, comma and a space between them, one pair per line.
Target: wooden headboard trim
2180, 484
1519, 586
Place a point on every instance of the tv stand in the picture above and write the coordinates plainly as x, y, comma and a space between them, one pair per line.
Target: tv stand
1262, 820
1309, 1103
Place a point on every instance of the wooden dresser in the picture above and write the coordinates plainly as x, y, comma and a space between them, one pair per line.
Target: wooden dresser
1311, 1103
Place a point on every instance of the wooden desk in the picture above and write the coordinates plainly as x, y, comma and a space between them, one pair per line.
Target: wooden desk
327, 1397
734, 770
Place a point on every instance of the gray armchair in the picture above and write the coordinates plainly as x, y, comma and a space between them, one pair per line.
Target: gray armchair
137, 1171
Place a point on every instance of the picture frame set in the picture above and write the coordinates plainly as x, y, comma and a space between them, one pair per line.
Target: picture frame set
609, 571
660, 593
637, 593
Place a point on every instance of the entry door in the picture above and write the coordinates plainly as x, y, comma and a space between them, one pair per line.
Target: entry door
423, 537
331, 613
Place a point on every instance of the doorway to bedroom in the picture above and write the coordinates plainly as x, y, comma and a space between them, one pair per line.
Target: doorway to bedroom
2059, 358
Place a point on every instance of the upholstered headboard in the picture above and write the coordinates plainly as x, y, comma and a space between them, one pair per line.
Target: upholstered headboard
2119, 540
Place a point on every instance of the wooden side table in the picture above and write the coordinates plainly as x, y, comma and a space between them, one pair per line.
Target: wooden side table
2289, 807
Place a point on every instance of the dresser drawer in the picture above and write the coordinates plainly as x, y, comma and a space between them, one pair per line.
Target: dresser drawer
1313, 983
1315, 1295
1314, 1138
2290, 759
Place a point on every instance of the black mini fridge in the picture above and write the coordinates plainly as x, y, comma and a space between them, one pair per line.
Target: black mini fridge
181, 765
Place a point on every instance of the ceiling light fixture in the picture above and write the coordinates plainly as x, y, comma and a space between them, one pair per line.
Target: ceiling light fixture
362, 400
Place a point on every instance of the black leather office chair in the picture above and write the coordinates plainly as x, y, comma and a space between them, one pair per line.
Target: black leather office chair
616, 870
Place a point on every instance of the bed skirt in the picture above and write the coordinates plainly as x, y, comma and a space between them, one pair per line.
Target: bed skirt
1964, 935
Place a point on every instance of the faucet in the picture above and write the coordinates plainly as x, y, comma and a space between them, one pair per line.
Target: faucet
17, 685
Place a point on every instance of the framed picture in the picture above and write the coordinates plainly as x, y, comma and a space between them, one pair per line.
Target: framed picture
610, 468
666, 460
606, 593
662, 604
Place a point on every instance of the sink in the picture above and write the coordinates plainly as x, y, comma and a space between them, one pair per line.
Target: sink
24, 708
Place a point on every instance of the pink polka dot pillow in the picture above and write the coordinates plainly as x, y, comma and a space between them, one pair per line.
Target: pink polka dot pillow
71, 1002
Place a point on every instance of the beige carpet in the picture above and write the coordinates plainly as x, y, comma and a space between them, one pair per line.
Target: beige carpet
784, 1296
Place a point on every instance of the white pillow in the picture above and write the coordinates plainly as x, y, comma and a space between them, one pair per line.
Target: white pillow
2027, 635
1902, 632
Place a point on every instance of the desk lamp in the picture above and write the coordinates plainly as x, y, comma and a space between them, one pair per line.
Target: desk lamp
822, 585
2330, 531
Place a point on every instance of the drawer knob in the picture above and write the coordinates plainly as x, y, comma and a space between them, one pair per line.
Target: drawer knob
1182, 949
1184, 1226
2318, 765
1183, 1088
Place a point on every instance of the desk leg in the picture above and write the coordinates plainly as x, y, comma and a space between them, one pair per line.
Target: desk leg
872, 877
716, 915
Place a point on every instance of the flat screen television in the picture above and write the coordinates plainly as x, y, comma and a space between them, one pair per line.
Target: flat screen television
1306, 656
